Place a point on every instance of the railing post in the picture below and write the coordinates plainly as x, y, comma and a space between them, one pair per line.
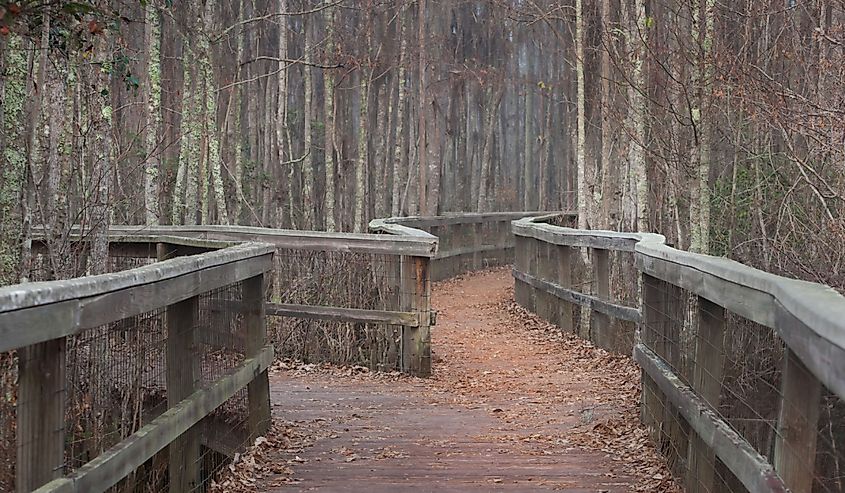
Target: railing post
41, 413
415, 295
707, 382
258, 390
521, 290
183, 374
564, 278
476, 244
795, 443
653, 323
601, 327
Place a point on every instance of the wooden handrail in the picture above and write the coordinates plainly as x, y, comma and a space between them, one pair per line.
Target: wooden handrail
808, 317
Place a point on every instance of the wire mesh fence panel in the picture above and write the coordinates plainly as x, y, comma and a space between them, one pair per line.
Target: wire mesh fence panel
340, 279
116, 383
8, 403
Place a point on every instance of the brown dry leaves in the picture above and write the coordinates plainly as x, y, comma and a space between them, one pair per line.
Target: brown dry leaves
549, 394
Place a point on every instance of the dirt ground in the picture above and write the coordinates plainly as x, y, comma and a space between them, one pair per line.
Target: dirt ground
512, 405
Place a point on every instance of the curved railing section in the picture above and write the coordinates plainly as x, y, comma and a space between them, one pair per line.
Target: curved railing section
743, 370
467, 241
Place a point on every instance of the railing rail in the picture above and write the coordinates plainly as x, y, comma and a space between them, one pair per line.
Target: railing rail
41, 321
685, 301
467, 241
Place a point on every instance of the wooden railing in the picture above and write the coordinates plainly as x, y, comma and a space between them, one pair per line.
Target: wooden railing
45, 324
405, 275
702, 322
467, 241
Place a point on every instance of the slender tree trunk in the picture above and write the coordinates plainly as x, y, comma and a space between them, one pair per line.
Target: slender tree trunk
308, 217
637, 113
487, 154
421, 113
329, 109
608, 170
101, 112
282, 106
152, 114
700, 153
581, 146
365, 74
400, 156
35, 86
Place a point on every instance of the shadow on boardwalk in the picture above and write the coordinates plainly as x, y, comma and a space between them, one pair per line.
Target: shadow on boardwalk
512, 405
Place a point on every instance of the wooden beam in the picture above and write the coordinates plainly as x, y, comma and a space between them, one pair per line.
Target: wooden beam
183, 375
616, 311
415, 296
751, 468
707, 382
40, 411
340, 314
256, 335
798, 431
107, 298
601, 324
117, 462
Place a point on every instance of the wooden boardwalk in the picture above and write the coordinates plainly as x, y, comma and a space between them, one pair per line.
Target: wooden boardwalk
504, 410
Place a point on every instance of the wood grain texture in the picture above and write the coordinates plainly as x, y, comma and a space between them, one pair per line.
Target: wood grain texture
751, 468
115, 463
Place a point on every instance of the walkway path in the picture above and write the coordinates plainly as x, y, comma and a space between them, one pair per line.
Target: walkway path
512, 406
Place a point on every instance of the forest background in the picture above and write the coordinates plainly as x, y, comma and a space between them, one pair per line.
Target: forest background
718, 124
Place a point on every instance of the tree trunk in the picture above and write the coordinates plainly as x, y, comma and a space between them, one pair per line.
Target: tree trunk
308, 216
487, 154
329, 109
581, 146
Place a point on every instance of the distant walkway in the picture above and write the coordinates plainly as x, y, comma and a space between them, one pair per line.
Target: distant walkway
512, 406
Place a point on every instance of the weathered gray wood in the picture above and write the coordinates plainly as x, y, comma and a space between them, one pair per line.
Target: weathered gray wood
751, 468
521, 289
616, 311
795, 443
608, 240
415, 296
601, 325
28, 295
183, 375
402, 240
40, 410
256, 334
112, 297
809, 317
462, 218
340, 314
564, 280
457, 252
117, 462
653, 322
707, 382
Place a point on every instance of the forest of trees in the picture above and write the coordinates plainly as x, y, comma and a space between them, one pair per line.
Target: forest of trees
718, 124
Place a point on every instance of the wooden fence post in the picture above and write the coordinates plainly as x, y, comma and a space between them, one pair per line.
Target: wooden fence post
564, 278
415, 295
258, 390
707, 382
183, 375
521, 290
795, 443
601, 326
42, 391
652, 325
477, 258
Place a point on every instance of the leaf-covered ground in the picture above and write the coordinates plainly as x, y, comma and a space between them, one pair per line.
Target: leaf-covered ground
513, 405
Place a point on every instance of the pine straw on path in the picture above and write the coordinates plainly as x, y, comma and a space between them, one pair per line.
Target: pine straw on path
513, 404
